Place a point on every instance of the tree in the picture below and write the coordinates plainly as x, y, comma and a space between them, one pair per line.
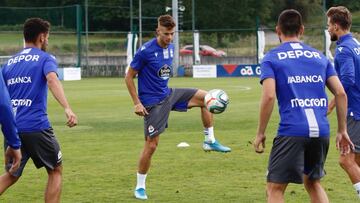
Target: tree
230, 14
307, 8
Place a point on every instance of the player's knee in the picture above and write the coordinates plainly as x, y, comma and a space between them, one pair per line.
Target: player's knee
311, 184
201, 93
273, 188
198, 99
345, 162
8, 180
56, 171
151, 146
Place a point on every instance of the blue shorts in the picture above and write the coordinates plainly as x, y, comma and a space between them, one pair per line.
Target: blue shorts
156, 121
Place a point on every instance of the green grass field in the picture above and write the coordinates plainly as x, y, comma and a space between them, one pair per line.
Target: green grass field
100, 155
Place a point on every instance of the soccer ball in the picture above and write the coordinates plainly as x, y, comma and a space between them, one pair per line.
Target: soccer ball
216, 101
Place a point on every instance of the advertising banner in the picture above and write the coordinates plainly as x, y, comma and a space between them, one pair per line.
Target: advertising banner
233, 70
204, 71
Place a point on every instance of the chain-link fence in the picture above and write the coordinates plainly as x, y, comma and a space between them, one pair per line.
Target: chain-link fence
101, 50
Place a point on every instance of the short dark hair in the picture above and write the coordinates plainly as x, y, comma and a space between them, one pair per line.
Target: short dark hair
33, 27
166, 21
341, 16
290, 22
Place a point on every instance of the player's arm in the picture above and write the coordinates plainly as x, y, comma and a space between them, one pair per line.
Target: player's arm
346, 72
139, 109
12, 152
266, 108
58, 92
347, 68
343, 142
9, 130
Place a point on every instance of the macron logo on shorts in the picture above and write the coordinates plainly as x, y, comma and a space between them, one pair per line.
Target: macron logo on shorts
59, 156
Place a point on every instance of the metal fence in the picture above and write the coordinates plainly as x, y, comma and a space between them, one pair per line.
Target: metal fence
103, 53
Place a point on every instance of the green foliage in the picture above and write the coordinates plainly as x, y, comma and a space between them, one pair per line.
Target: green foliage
100, 155
307, 8
350, 4
356, 18
60, 44
232, 14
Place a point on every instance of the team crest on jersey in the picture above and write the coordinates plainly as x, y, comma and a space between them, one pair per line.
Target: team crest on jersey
164, 72
156, 54
340, 49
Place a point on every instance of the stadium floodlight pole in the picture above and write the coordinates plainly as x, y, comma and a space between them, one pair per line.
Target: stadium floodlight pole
257, 39
87, 32
140, 25
193, 27
131, 16
325, 24
176, 37
78, 32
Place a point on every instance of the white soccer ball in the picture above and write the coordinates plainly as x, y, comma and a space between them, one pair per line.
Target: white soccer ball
216, 101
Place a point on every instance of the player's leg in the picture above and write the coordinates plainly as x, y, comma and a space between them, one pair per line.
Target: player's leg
54, 185
351, 162
316, 150
350, 165
210, 143
275, 192
44, 150
285, 166
7, 179
154, 124
315, 190
150, 146
145, 157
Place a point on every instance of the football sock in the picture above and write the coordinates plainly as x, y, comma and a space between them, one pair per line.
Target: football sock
141, 180
209, 134
357, 188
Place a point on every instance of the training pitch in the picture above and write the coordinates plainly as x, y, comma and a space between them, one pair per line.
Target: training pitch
100, 155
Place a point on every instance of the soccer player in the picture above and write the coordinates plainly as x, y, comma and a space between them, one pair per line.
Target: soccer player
155, 100
296, 74
347, 65
28, 74
8, 127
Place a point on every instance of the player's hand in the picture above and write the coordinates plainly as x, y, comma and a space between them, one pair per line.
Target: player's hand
140, 110
343, 143
71, 118
259, 143
13, 155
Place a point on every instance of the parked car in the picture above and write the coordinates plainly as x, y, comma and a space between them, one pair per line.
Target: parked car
204, 50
